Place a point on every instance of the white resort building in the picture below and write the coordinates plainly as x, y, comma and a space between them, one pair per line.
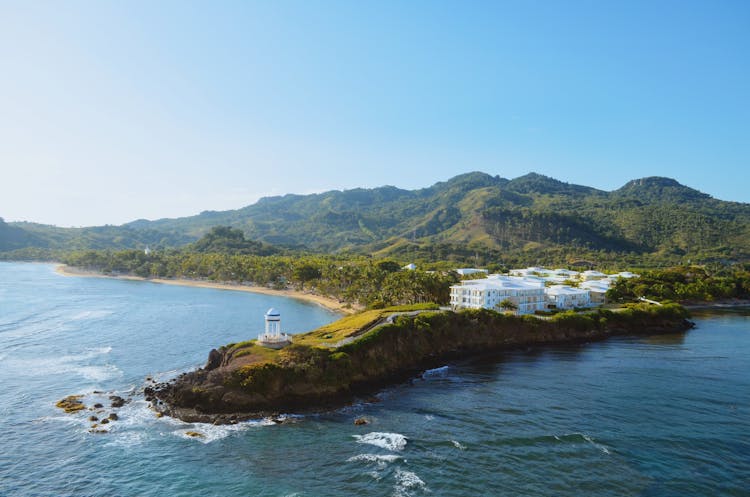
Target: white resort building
567, 297
534, 289
273, 337
529, 271
470, 270
526, 294
597, 290
592, 275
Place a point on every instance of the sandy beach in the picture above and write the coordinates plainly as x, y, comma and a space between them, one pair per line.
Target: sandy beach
326, 302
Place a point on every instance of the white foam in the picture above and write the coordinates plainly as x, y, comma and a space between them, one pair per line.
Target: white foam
458, 445
374, 458
44, 366
98, 373
388, 441
91, 315
595, 444
211, 433
440, 372
586, 438
407, 481
126, 439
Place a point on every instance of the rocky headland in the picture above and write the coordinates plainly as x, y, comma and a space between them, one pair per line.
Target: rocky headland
359, 354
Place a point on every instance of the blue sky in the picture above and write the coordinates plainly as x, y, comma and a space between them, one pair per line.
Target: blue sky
113, 111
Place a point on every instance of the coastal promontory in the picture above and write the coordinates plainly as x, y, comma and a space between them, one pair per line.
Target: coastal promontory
358, 354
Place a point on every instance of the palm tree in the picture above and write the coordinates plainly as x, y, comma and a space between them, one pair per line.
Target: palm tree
508, 305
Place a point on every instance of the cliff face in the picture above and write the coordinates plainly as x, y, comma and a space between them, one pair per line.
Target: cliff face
239, 383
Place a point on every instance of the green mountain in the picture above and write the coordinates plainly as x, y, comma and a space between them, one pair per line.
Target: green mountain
528, 218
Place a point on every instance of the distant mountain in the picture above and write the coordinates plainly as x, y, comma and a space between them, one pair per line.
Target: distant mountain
532, 216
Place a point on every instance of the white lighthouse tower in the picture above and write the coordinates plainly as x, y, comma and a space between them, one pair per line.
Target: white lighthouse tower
273, 337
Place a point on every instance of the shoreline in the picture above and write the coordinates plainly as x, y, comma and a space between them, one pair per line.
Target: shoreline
237, 384
327, 302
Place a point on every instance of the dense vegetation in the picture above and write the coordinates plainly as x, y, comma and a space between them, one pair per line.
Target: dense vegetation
224, 255
357, 280
473, 219
685, 284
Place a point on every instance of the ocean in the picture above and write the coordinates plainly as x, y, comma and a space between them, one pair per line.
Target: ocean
661, 415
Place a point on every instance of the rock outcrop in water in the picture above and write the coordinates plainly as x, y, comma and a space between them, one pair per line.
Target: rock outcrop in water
244, 380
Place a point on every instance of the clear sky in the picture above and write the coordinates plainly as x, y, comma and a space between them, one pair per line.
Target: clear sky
113, 111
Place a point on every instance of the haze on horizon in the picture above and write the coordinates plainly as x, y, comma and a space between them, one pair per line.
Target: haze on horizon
114, 111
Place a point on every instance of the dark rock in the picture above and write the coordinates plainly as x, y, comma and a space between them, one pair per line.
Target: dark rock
98, 406
113, 416
104, 421
361, 421
71, 403
214, 360
93, 418
117, 401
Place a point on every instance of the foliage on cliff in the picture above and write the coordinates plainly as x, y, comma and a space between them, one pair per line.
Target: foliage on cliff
309, 373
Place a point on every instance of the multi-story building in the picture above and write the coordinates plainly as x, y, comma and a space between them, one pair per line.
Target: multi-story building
597, 290
567, 297
527, 295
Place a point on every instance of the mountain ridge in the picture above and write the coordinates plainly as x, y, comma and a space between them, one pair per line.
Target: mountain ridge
532, 214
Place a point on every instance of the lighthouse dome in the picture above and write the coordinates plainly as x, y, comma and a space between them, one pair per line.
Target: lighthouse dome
273, 313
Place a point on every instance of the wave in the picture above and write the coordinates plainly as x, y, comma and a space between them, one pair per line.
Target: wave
72, 363
369, 458
577, 437
407, 482
97, 373
440, 372
91, 315
207, 433
388, 441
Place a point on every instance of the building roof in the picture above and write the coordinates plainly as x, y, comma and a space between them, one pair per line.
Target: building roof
626, 274
497, 282
564, 290
272, 312
596, 285
594, 273
470, 270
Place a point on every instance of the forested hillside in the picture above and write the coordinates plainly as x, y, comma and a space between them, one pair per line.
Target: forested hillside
473, 217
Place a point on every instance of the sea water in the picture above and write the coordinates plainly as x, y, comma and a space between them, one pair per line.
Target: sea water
650, 416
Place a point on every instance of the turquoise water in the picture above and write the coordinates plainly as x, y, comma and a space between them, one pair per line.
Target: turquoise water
650, 416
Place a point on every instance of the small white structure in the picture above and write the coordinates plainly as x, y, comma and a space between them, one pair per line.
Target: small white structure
529, 271
592, 275
273, 338
470, 270
410, 267
625, 274
597, 290
567, 297
525, 293
565, 274
147, 251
